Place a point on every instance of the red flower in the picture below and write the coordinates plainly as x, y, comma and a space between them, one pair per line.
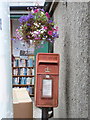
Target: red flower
36, 10
50, 32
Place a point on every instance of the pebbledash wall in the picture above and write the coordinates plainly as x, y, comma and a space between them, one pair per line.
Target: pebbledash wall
73, 47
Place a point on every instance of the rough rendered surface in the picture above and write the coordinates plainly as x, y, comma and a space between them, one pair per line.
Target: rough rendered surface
72, 45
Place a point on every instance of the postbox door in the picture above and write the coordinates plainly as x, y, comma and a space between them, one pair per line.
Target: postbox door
47, 97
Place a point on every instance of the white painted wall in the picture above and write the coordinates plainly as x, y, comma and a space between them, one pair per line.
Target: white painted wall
5, 63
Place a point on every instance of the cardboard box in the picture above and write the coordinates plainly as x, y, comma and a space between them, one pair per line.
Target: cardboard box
22, 103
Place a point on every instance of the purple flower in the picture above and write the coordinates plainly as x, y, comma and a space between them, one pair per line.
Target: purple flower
28, 24
55, 35
23, 19
42, 10
30, 16
49, 39
12, 38
50, 21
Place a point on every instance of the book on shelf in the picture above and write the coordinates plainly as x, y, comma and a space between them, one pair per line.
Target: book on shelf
23, 62
23, 80
30, 90
23, 71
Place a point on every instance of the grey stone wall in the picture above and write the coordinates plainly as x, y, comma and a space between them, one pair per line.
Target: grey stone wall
72, 45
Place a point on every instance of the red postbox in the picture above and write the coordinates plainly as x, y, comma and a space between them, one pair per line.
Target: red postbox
47, 76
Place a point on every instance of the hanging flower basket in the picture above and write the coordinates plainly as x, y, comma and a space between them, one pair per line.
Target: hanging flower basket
36, 26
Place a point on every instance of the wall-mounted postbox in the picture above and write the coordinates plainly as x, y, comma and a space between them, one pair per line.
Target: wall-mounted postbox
47, 76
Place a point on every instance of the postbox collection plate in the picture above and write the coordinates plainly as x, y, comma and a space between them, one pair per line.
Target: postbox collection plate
47, 88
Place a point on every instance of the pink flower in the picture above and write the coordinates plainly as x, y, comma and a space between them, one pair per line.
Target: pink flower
20, 38
37, 38
28, 36
45, 27
48, 16
16, 29
38, 33
55, 29
36, 10
50, 32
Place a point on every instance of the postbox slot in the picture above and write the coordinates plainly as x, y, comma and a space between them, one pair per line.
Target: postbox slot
48, 62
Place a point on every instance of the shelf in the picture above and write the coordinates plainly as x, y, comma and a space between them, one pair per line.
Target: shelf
23, 76
31, 55
23, 58
22, 67
23, 85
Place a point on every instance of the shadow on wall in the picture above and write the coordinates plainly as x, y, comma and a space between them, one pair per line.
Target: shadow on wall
67, 56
